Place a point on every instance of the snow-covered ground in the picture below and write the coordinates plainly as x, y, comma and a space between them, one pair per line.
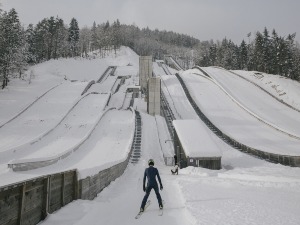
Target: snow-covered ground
246, 190
234, 120
266, 108
36, 120
62, 120
281, 87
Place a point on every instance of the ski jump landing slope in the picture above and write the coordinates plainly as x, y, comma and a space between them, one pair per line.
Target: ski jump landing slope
178, 102
36, 120
70, 133
108, 145
74, 129
235, 121
258, 102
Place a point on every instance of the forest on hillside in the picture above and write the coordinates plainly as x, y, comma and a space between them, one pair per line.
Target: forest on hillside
53, 38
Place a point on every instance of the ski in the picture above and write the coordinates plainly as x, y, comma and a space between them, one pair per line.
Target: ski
140, 213
161, 211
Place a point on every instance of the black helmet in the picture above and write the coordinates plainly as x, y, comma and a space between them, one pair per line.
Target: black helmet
151, 162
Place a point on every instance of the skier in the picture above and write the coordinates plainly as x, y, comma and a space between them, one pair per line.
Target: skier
175, 159
151, 172
175, 171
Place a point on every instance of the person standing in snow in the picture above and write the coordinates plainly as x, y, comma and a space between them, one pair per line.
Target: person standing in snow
175, 159
151, 173
175, 171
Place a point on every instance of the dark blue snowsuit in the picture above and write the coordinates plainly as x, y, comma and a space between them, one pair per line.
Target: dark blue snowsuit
151, 172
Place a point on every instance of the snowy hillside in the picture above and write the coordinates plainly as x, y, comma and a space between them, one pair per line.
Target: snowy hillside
282, 87
45, 116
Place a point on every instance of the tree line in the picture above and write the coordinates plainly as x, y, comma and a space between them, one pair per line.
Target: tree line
269, 53
49, 39
52, 38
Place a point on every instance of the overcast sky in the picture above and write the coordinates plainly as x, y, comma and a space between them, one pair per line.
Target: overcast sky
203, 19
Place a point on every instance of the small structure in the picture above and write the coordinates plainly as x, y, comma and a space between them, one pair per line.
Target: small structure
134, 90
145, 71
194, 145
153, 96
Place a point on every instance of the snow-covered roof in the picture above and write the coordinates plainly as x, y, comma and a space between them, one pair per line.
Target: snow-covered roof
133, 86
195, 139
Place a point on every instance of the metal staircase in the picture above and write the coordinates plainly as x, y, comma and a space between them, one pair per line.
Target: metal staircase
137, 140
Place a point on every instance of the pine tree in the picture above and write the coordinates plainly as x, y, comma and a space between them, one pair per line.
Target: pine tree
116, 35
50, 37
10, 43
266, 51
85, 40
243, 56
290, 56
259, 52
213, 54
101, 39
251, 57
40, 44
94, 37
60, 39
30, 42
106, 36
275, 53
22, 54
73, 37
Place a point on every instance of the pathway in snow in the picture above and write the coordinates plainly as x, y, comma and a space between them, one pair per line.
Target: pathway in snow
120, 202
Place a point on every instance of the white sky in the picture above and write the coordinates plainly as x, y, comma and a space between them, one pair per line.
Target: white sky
203, 19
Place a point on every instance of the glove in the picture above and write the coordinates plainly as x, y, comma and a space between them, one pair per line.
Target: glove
144, 189
161, 187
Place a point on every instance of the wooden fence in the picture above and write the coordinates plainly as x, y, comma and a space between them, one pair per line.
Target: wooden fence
30, 201
91, 186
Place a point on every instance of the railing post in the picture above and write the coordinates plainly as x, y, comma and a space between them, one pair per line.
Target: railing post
22, 204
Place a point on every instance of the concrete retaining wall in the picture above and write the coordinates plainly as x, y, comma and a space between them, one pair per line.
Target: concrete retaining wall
153, 96
145, 71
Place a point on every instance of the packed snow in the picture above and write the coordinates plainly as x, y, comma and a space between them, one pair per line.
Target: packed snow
267, 109
247, 190
283, 88
234, 120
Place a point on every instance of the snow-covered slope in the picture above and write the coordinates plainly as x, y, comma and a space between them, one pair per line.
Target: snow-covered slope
283, 88
258, 102
71, 132
233, 120
62, 119
246, 190
36, 121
